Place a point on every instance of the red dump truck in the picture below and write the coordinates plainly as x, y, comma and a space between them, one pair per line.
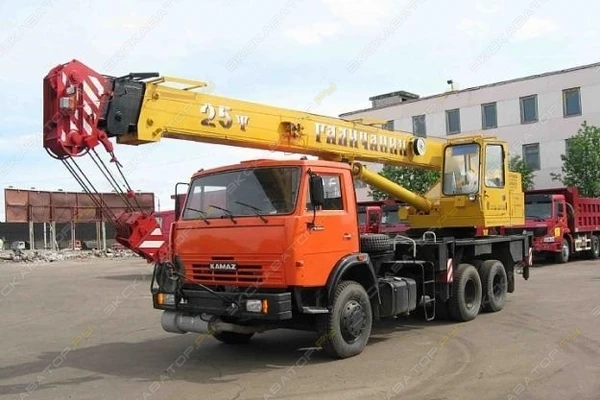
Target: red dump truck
563, 223
381, 217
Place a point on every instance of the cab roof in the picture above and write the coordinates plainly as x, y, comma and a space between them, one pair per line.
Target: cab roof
263, 163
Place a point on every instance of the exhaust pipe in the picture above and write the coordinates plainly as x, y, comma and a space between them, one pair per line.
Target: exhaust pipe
178, 322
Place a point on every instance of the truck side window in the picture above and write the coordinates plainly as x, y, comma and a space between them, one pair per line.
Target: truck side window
560, 209
494, 166
333, 194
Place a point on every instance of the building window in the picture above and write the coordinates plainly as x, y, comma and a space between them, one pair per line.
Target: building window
389, 125
419, 128
567, 144
571, 102
358, 184
489, 117
453, 121
529, 111
531, 155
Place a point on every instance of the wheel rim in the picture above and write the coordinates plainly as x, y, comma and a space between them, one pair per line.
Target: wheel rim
565, 250
470, 294
354, 320
498, 287
595, 246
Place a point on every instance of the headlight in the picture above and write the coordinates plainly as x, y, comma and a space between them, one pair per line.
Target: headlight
254, 306
548, 239
473, 196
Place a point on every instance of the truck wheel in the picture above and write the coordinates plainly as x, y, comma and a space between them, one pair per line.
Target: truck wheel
494, 285
594, 252
232, 337
565, 252
465, 301
345, 331
375, 243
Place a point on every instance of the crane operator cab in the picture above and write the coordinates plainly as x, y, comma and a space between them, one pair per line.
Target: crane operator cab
461, 169
477, 187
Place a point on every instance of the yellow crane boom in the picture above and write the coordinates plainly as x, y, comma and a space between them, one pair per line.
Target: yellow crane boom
144, 108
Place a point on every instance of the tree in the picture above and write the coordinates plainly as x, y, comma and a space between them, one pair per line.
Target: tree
581, 161
416, 180
517, 164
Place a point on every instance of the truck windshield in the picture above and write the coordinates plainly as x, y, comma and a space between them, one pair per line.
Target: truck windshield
461, 169
538, 210
391, 217
247, 192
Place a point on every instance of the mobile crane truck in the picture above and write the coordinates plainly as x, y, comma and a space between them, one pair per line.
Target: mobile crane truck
268, 244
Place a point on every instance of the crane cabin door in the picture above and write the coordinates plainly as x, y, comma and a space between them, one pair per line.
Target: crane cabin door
494, 188
334, 233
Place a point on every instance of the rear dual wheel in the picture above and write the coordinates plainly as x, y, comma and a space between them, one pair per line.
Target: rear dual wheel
465, 301
594, 252
494, 284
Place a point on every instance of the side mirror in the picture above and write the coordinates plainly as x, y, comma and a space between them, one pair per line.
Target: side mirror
317, 195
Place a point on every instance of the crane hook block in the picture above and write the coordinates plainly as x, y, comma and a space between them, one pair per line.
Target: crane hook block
75, 102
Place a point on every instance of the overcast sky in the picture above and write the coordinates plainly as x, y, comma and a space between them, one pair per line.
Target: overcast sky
284, 53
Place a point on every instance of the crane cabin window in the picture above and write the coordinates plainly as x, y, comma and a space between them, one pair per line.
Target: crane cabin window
243, 193
461, 169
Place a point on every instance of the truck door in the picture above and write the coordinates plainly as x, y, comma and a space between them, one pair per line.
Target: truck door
335, 232
560, 218
495, 198
374, 219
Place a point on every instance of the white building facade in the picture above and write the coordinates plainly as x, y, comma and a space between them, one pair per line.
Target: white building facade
535, 115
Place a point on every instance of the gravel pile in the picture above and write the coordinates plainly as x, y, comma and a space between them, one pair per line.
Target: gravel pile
51, 256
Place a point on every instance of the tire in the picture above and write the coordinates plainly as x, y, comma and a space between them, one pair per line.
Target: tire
375, 243
345, 331
494, 285
232, 337
594, 253
565, 253
465, 302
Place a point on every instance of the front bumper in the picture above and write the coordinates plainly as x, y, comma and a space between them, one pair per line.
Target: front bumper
231, 304
539, 246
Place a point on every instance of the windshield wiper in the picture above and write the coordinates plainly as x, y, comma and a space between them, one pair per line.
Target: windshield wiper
257, 211
227, 211
202, 214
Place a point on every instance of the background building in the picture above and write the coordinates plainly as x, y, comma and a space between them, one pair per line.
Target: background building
535, 114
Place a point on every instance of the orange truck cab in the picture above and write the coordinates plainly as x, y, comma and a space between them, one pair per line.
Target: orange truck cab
258, 226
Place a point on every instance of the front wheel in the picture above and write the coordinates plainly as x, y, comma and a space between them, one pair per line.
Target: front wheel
565, 252
345, 331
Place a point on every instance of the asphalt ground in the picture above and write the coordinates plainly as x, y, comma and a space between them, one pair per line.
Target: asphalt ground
87, 330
